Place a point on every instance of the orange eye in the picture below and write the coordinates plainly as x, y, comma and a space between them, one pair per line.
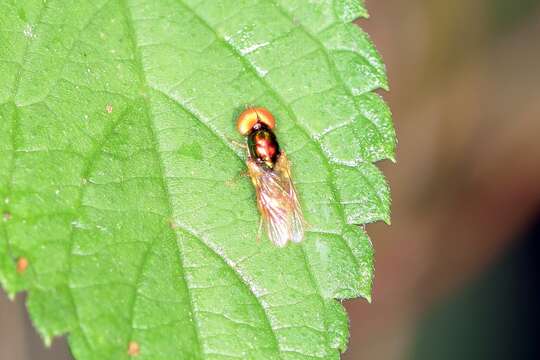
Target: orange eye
251, 116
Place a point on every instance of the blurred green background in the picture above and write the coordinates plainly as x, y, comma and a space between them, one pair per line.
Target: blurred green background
456, 271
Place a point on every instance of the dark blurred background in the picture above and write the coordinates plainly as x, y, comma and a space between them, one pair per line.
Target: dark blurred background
456, 271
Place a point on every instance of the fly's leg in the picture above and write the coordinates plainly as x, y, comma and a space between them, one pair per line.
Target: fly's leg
234, 181
238, 144
260, 230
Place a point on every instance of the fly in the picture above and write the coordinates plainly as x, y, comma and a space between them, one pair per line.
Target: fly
269, 170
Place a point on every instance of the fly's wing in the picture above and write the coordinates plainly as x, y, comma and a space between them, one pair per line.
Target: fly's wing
273, 202
296, 215
277, 201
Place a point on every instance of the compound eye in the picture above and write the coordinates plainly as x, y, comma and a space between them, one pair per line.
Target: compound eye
250, 117
265, 117
246, 121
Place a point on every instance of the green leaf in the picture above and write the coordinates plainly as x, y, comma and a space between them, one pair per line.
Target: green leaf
121, 186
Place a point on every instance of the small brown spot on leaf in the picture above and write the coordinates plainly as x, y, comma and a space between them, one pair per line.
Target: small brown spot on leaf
7, 216
109, 108
172, 224
22, 264
133, 348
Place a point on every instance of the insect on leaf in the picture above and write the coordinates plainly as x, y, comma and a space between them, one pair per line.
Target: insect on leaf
124, 215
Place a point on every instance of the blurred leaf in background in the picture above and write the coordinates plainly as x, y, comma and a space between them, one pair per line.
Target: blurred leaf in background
495, 316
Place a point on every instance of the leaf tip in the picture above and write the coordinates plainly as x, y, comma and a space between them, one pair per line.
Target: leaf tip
10, 293
354, 9
47, 340
363, 13
368, 297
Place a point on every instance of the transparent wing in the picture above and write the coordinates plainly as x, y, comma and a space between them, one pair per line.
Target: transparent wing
277, 201
296, 216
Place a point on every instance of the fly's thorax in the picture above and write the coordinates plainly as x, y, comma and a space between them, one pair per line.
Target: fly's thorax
263, 146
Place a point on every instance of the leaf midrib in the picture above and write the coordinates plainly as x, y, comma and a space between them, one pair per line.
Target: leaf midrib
145, 85
86, 171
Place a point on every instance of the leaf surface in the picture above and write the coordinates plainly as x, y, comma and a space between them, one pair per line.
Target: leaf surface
120, 180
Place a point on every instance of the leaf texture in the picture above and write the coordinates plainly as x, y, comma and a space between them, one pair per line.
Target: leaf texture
120, 183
